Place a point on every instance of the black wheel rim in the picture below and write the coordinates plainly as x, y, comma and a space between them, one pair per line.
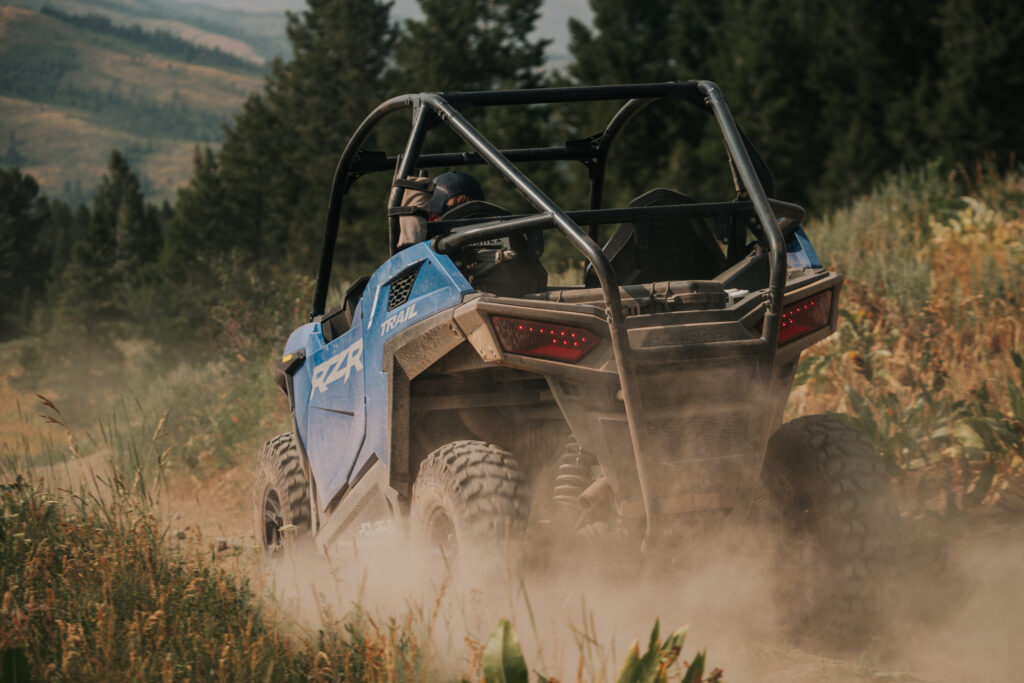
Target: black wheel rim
272, 521
441, 534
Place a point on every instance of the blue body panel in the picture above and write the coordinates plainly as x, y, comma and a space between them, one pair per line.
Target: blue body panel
341, 391
307, 338
799, 252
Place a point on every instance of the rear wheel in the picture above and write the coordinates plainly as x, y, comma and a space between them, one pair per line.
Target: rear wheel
281, 513
469, 496
830, 487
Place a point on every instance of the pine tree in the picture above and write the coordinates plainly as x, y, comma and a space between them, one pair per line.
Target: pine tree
278, 158
646, 42
872, 57
980, 91
121, 238
198, 226
465, 45
471, 45
24, 213
631, 42
763, 50
121, 231
13, 157
67, 226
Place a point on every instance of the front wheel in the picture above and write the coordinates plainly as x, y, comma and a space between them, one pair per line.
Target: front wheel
280, 497
468, 499
830, 487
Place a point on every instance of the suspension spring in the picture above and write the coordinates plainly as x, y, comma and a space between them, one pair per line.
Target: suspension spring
571, 479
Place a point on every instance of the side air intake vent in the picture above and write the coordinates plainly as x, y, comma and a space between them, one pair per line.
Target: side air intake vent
400, 286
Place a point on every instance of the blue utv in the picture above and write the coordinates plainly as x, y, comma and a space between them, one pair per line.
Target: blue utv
454, 396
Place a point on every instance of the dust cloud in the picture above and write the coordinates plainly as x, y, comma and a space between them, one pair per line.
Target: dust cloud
956, 611
953, 609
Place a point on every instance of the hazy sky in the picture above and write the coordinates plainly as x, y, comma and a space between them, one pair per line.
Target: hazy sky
552, 24
554, 15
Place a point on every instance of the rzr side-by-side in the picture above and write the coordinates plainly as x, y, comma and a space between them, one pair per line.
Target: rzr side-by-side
453, 396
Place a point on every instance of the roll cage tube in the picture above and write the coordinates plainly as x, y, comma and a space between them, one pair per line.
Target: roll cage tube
444, 106
623, 116
593, 151
503, 226
343, 179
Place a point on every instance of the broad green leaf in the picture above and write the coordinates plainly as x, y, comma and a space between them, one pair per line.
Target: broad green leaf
695, 672
650, 663
630, 671
671, 649
967, 436
653, 666
655, 641
503, 656
674, 643
993, 432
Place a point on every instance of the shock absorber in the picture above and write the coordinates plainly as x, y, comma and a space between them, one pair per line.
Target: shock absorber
572, 476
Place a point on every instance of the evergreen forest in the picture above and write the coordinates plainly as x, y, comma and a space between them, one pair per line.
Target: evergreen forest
835, 96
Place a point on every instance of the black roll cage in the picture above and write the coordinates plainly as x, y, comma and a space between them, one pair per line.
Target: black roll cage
753, 182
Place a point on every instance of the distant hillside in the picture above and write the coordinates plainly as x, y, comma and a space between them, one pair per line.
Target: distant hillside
254, 36
158, 42
73, 88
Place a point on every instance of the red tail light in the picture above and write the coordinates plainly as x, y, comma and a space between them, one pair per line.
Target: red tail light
543, 340
803, 317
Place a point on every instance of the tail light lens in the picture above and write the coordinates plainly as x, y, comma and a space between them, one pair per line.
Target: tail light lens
803, 317
543, 340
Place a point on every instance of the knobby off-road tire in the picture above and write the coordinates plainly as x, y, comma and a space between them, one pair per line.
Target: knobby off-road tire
280, 497
830, 487
468, 497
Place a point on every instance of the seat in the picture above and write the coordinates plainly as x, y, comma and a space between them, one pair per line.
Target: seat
338, 319
658, 249
523, 275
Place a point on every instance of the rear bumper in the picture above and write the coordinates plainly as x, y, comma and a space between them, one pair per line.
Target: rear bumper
711, 392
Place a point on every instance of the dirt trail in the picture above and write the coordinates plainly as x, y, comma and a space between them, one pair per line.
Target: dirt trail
73, 474
219, 504
954, 609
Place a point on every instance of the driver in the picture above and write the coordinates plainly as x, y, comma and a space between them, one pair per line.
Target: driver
432, 200
450, 190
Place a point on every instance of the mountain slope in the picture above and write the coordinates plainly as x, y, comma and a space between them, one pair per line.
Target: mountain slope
68, 95
252, 35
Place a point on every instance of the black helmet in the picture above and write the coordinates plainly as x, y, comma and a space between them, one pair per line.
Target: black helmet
450, 185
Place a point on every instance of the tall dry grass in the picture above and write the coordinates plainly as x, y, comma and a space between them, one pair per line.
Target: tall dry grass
94, 588
926, 358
